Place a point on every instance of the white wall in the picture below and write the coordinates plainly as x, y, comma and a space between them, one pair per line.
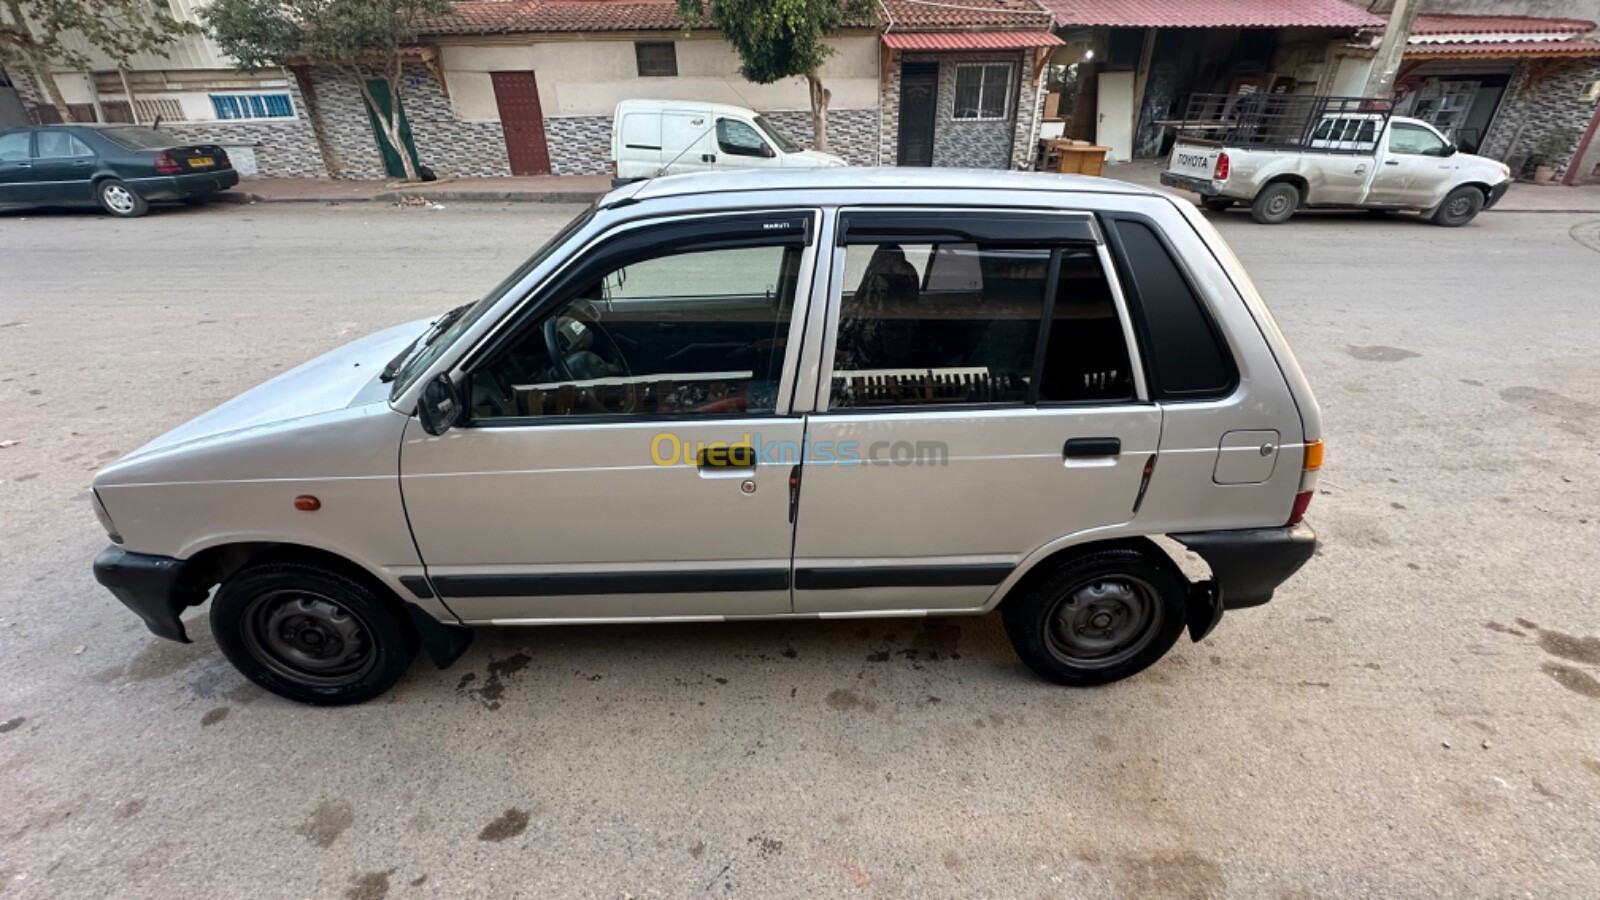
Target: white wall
589, 78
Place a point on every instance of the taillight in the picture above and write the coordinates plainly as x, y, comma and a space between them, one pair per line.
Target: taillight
1308, 482
613, 168
166, 165
1221, 173
223, 162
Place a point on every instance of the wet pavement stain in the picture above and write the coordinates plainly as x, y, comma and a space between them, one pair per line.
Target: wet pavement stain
511, 823
697, 849
1578, 649
1504, 629
493, 688
766, 847
418, 881
1178, 876
1548, 402
369, 886
1380, 353
12, 724
1575, 680
327, 822
131, 808
214, 716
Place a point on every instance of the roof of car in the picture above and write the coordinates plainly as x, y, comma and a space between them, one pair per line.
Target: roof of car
853, 178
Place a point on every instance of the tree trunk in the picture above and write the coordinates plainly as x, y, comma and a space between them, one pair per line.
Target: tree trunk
819, 111
390, 122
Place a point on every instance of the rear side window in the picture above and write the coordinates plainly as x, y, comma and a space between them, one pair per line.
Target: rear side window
1187, 357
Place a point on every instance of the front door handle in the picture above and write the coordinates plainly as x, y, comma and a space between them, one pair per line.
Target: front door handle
1092, 446
725, 460
1391, 162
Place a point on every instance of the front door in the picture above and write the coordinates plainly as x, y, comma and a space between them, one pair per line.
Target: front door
919, 104
517, 96
1413, 170
392, 163
62, 165
16, 166
983, 401
594, 479
1114, 108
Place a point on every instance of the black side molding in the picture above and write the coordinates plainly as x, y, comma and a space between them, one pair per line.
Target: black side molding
417, 585
573, 583
1249, 564
848, 577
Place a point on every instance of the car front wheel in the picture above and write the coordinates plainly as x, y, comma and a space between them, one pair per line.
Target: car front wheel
1461, 206
118, 199
311, 634
1098, 618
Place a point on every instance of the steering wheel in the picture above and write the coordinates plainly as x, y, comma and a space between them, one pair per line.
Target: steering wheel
579, 336
552, 343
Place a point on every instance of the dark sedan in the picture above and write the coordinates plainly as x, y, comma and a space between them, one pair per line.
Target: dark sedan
120, 168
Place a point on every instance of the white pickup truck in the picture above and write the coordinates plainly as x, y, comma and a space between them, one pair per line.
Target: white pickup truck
1349, 160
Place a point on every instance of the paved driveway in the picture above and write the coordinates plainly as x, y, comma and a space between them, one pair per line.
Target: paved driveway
1416, 715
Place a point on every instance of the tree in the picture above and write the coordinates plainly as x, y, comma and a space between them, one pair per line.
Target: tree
38, 34
782, 39
362, 39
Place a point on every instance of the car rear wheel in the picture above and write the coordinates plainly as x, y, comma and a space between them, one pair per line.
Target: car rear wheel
1461, 206
311, 634
1275, 204
118, 199
1217, 204
1098, 618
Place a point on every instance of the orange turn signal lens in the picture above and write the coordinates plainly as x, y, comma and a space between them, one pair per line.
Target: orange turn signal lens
307, 503
1313, 456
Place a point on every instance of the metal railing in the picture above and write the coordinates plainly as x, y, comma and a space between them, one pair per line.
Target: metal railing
1286, 121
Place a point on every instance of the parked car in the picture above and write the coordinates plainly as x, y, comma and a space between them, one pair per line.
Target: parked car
671, 137
1351, 160
821, 394
122, 168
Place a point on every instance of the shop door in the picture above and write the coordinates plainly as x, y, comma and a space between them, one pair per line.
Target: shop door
919, 103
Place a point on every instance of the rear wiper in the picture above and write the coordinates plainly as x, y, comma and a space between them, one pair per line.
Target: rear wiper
423, 340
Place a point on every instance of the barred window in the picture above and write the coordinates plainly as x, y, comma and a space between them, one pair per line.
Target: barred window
983, 91
252, 106
656, 58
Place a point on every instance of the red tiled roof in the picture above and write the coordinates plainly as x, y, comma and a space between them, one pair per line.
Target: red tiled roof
960, 15
520, 16
1212, 13
970, 40
1503, 50
1430, 24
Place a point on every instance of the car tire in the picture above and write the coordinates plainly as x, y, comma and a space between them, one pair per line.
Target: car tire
1276, 203
1099, 617
120, 200
1460, 206
310, 634
1216, 204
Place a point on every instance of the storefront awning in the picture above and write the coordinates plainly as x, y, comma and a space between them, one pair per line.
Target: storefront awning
1212, 14
969, 40
1504, 50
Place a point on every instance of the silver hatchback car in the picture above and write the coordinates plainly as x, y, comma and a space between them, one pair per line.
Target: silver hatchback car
812, 394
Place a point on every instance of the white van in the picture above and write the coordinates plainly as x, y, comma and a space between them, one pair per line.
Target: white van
671, 137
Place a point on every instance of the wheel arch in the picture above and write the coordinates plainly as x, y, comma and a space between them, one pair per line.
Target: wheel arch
1297, 181
1051, 557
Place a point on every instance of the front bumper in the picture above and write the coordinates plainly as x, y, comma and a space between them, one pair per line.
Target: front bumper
1202, 186
154, 587
179, 187
1496, 192
1249, 564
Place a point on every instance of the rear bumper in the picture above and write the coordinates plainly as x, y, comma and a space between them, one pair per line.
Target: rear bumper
178, 187
1496, 192
153, 587
1202, 186
1248, 565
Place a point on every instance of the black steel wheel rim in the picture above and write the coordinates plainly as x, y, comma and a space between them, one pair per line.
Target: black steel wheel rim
308, 638
1103, 622
1458, 207
1277, 204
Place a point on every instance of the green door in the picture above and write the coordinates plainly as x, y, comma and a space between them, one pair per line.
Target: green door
391, 158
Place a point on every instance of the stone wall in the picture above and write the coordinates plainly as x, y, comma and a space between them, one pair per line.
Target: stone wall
446, 144
852, 133
1546, 106
284, 148
1002, 144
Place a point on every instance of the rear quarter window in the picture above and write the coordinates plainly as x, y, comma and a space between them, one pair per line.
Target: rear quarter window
1185, 354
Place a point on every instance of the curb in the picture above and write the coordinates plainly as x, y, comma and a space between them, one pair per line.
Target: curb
240, 197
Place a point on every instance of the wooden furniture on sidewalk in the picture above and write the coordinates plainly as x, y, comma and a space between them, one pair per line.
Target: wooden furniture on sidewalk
1062, 155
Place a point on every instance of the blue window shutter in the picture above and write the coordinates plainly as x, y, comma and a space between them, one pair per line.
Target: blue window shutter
278, 105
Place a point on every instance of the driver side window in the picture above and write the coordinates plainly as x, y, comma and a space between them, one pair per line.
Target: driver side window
696, 332
1413, 141
734, 136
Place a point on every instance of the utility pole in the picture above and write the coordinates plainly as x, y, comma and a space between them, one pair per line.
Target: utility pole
1386, 65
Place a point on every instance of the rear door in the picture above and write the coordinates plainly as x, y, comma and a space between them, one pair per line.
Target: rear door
589, 483
980, 397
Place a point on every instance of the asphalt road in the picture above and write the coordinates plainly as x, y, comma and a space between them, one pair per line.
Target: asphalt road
1417, 714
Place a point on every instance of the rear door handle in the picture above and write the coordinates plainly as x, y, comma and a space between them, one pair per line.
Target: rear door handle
1092, 446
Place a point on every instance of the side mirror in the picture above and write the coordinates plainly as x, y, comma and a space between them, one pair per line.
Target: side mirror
768, 152
440, 406
1451, 150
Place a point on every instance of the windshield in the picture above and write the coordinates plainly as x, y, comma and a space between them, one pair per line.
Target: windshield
783, 143
444, 332
139, 138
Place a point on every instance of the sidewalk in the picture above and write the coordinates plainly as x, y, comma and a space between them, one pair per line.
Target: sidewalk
539, 189
585, 188
1521, 197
